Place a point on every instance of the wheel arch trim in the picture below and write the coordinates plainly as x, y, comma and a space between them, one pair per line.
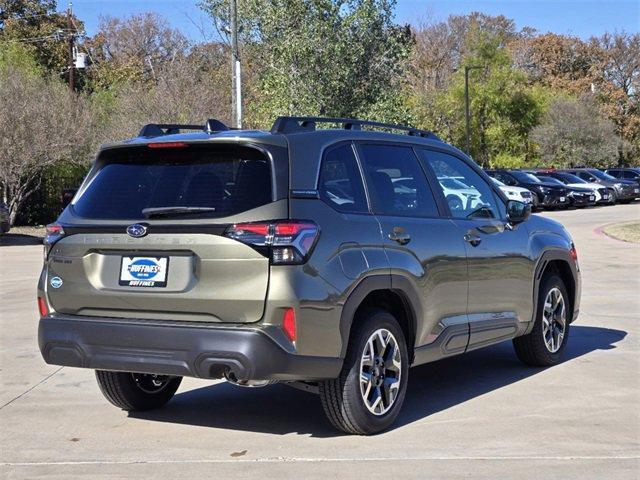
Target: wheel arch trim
545, 259
394, 283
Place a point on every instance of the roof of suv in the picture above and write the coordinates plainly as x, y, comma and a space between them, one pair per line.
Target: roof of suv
214, 130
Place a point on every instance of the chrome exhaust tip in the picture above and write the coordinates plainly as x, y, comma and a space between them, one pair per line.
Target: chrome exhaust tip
231, 378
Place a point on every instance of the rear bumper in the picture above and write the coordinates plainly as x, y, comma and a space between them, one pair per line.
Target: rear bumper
175, 349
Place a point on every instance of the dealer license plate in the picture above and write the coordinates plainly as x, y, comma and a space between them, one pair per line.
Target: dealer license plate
144, 271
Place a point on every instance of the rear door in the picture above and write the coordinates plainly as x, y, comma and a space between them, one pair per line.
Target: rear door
423, 248
144, 238
500, 266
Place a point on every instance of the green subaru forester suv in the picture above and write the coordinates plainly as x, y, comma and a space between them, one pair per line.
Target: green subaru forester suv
325, 254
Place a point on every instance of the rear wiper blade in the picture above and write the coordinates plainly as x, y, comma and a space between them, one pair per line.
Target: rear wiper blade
165, 211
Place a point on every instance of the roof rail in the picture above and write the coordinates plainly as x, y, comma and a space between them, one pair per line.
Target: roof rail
160, 129
308, 124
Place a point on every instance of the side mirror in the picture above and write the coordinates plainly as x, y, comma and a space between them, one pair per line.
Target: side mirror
518, 212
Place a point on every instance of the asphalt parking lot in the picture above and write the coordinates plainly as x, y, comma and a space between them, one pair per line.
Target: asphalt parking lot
481, 415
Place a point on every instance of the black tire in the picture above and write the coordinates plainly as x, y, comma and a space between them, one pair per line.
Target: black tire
531, 349
127, 390
341, 398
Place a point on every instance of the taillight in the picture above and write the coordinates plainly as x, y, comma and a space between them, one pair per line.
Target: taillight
53, 233
289, 242
42, 307
289, 324
573, 253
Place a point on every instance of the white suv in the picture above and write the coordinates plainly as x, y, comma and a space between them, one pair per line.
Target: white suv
514, 193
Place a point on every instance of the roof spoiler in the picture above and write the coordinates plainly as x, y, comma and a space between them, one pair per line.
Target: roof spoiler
151, 130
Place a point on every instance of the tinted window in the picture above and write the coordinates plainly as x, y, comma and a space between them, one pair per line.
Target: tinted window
340, 182
525, 177
397, 183
550, 180
476, 200
570, 178
586, 176
601, 175
505, 178
223, 180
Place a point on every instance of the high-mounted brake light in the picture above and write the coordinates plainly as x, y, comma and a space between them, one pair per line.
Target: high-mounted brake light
167, 145
289, 324
289, 242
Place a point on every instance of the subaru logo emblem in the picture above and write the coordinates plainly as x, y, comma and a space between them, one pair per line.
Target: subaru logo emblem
137, 230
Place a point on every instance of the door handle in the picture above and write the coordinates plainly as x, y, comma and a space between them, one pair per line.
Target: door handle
473, 240
399, 235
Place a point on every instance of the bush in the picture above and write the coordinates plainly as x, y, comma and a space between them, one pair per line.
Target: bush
45, 204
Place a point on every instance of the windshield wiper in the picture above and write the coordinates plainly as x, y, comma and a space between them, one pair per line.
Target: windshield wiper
166, 211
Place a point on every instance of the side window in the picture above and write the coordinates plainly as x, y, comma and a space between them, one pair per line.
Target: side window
466, 192
508, 179
340, 183
396, 181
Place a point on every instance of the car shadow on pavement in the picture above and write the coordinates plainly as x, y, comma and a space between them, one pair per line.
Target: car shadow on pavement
433, 387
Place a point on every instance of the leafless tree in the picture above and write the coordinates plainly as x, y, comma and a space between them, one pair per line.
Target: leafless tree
188, 90
41, 123
134, 48
574, 133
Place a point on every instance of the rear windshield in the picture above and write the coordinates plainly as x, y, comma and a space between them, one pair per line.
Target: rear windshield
571, 178
198, 181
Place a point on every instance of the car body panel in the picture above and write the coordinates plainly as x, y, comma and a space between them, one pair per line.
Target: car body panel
223, 292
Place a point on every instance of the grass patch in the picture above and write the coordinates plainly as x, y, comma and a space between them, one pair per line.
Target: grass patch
627, 232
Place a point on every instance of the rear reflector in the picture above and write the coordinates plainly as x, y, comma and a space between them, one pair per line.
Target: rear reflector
42, 307
573, 253
167, 145
289, 324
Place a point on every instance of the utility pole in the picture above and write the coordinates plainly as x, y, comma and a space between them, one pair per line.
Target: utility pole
71, 38
236, 77
466, 106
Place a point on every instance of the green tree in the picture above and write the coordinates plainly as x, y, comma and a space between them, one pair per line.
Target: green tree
329, 57
504, 107
41, 30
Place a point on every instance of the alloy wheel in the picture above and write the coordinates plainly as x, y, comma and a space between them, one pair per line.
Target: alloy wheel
380, 371
149, 383
554, 320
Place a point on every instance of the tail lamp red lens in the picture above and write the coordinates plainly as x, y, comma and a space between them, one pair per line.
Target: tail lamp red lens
289, 242
573, 253
167, 145
289, 324
53, 233
42, 307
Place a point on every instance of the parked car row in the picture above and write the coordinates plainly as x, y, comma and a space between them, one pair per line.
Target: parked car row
570, 188
5, 226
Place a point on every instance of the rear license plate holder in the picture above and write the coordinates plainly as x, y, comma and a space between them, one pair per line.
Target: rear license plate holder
144, 272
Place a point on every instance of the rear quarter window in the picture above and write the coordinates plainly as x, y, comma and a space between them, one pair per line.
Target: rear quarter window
225, 180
